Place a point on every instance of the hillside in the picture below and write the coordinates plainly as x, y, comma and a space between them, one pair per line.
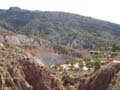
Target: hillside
18, 71
105, 78
62, 28
57, 51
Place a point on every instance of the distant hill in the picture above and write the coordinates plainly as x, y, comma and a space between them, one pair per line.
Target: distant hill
62, 28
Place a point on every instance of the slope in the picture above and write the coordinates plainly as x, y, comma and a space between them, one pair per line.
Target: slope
62, 28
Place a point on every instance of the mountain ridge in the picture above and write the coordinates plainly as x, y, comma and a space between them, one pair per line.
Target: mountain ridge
62, 28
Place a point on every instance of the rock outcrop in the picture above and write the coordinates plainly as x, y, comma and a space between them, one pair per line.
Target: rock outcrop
20, 72
101, 79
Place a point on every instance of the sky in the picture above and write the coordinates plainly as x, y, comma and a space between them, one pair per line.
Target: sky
108, 10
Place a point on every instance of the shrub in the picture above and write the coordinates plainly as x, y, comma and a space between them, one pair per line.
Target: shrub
97, 63
115, 47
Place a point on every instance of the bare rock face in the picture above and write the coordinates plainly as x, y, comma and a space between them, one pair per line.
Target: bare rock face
101, 79
14, 9
19, 72
19, 39
40, 77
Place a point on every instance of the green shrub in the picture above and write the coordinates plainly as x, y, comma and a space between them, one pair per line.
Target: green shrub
97, 63
115, 47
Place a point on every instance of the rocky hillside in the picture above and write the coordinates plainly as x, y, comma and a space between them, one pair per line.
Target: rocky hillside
106, 78
48, 51
41, 50
62, 28
18, 71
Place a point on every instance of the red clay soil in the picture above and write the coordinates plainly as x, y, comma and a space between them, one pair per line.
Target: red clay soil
101, 79
40, 77
29, 75
19, 72
41, 50
1, 39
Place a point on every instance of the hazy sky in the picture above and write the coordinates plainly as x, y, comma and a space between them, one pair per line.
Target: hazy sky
102, 9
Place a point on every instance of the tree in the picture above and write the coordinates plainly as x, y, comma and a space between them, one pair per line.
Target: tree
115, 47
